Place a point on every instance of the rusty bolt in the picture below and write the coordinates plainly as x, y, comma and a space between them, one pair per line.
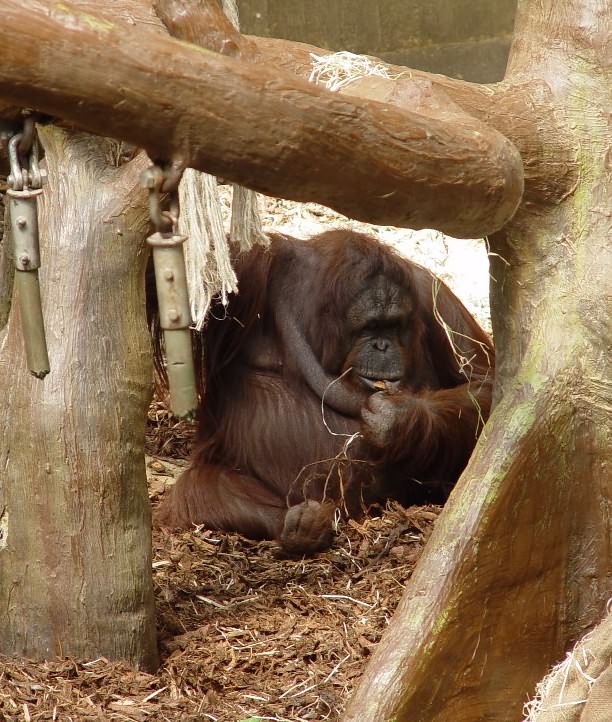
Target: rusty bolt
168, 275
24, 260
21, 222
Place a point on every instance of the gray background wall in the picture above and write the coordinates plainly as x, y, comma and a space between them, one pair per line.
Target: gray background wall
466, 39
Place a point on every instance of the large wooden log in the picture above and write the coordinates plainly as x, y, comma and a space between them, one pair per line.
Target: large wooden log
522, 109
257, 126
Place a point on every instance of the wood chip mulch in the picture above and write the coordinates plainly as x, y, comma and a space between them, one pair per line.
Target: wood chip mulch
244, 634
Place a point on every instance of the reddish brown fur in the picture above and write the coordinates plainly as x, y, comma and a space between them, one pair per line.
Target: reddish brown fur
263, 447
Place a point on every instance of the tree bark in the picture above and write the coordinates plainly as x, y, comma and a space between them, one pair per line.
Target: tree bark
520, 562
75, 541
259, 127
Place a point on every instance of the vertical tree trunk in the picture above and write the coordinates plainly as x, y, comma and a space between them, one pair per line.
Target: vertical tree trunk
520, 562
75, 546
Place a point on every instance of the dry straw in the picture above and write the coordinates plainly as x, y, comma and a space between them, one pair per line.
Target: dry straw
337, 70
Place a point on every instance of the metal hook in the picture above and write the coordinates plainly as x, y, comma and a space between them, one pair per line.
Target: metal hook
15, 179
22, 178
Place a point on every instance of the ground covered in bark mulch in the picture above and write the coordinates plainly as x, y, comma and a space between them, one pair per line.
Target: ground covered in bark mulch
244, 633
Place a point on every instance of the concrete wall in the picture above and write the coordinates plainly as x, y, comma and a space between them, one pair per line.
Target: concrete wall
463, 38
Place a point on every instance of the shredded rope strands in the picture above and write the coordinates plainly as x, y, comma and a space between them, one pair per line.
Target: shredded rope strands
207, 258
565, 670
207, 254
563, 695
337, 70
246, 230
245, 227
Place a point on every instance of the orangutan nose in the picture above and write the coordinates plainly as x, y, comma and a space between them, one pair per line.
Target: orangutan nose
380, 344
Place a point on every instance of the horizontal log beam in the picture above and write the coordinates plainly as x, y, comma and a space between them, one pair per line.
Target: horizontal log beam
522, 110
257, 126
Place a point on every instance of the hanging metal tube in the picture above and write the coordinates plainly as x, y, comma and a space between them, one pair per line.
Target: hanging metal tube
23, 214
25, 181
175, 320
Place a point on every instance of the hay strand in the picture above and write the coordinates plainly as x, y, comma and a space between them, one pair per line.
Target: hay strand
337, 70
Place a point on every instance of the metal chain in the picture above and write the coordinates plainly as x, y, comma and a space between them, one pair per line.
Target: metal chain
162, 181
23, 159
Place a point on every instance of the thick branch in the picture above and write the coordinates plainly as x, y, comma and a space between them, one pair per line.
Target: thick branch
522, 110
257, 126
479, 622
